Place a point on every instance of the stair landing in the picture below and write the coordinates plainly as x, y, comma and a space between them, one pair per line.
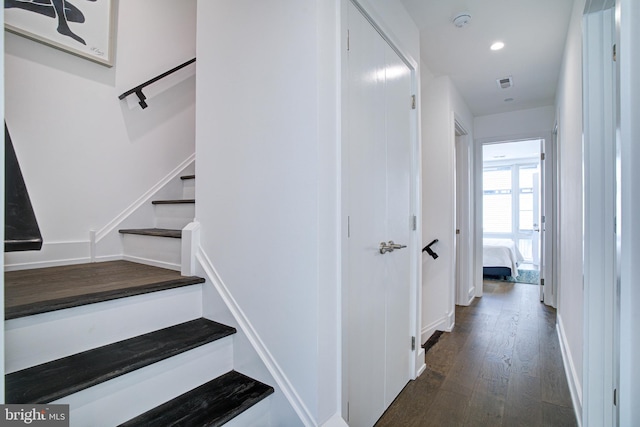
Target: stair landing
29, 292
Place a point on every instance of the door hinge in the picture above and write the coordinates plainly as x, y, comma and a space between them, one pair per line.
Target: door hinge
413, 102
543, 219
541, 282
414, 223
615, 397
348, 41
348, 226
615, 53
413, 343
457, 231
541, 156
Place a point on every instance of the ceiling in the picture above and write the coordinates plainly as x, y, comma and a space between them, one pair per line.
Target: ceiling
533, 31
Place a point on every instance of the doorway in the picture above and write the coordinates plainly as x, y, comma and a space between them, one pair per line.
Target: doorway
381, 237
513, 219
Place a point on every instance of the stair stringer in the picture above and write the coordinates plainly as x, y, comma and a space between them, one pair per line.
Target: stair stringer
219, 303
106, 244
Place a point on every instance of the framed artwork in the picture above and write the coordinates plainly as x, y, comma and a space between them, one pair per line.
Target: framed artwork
83, 27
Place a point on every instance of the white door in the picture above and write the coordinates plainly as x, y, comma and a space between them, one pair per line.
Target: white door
378, 202
537, 223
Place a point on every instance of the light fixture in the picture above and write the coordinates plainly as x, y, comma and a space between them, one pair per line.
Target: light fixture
497, 46
461, 19
508, 100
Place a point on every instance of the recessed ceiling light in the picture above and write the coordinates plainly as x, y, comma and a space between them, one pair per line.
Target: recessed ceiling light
497, 46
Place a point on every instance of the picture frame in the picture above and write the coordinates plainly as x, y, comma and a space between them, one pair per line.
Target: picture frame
80, 27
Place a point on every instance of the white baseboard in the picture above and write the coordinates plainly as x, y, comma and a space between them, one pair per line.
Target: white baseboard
428, 330
261, 349
335, 421
152, 262
52, 254
421, 365
575, 387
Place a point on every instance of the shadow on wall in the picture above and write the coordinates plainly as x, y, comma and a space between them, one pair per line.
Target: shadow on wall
164, 103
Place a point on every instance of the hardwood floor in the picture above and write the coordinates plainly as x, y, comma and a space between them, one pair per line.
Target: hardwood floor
500, 366
36, 291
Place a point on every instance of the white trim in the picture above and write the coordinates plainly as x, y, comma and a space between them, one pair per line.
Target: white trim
105, 258
261, 349
335, 421
428, 330
599, 216
151, 262
190, 243
575, 388
104, 231
52, 254
422, 366
463, 203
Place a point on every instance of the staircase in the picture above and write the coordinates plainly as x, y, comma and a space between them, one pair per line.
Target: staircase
125, 343
160, 244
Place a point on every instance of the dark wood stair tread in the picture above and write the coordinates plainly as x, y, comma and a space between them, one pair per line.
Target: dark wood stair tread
54, 380
41, 290
185, 177
211, 404
156, 232
173, 202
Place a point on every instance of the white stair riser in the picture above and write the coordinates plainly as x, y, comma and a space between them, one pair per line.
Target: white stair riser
258, 415
162, 252
122, 398
189, 189
174, 216
65, 332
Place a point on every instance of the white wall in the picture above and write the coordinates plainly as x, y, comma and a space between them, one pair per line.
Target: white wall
258, 144
86, 155
267, 143
569, 117
441, 104
514, 124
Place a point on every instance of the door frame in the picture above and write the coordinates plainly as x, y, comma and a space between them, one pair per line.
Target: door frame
548, 187
416, 363
600, 245
465, 286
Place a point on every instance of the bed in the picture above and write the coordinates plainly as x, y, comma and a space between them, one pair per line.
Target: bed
500, 257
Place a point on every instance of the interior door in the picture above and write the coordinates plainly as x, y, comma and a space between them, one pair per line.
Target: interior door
535, 235
540, 202
378, 162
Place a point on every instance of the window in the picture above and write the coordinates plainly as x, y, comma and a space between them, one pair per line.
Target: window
497, 203
508, 204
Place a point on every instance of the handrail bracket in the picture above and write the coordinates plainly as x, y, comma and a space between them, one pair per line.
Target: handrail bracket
142, 98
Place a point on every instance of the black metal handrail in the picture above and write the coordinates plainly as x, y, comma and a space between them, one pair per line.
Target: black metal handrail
138, 89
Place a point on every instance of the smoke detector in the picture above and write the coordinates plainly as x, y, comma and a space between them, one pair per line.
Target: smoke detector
461, 20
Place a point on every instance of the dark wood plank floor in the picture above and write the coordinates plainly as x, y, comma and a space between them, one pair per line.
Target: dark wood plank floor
501, 366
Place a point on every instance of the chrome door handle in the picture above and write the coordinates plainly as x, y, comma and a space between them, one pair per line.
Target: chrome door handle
390, 247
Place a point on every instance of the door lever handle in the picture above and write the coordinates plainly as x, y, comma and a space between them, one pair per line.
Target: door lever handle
390, 247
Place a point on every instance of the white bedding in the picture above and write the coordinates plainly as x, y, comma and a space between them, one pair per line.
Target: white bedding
501, 253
